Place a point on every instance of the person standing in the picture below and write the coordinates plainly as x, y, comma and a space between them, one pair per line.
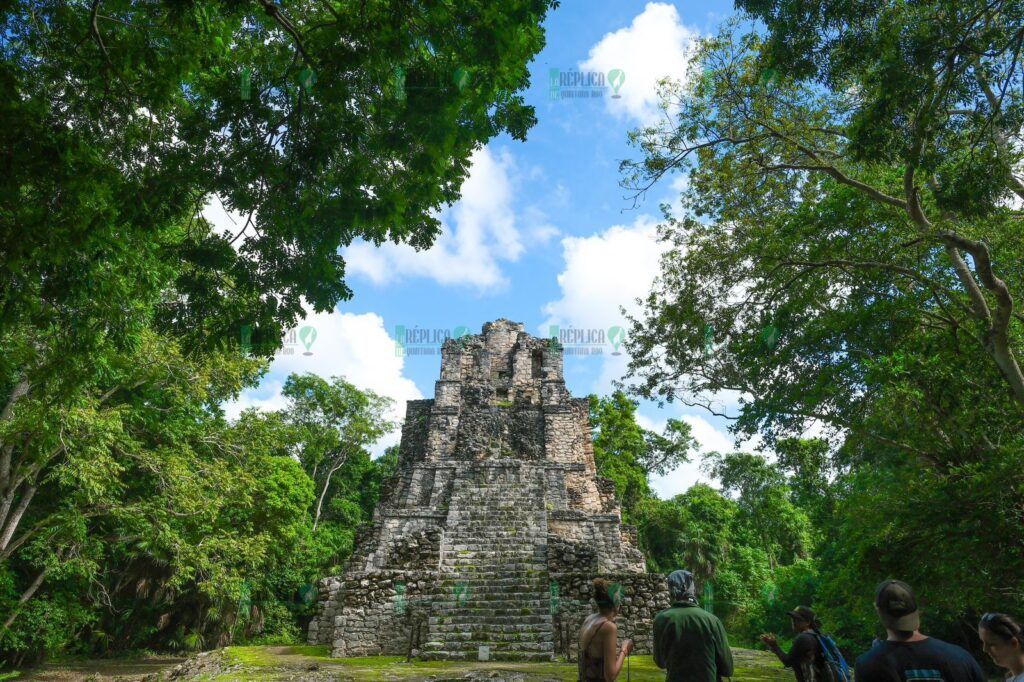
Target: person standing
907, 655
1003, 640
690, 643
599, 636
805, 657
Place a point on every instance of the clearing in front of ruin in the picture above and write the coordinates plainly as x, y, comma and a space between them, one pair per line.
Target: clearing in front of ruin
313, 663
280, 663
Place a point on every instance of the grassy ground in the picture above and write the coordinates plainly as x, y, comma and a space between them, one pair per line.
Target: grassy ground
245, 664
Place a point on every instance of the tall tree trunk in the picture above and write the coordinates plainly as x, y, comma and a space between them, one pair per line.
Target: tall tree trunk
25, 596
7, 449
323, 493
15, 519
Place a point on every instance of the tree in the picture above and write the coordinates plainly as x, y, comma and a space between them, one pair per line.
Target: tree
666, 451
318, 123
905, 114
335, 421
125, 121
808, 464
627, 454
142, 520
850, 238
692, 530
781, 529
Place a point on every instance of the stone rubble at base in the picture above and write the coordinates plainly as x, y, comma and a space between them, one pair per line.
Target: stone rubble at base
495, 523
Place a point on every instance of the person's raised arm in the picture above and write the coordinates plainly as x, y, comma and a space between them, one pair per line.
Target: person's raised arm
803, 648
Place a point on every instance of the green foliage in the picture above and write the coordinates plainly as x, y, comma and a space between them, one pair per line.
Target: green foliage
627, 454
199, 532
848, 237
151, 102
131, 513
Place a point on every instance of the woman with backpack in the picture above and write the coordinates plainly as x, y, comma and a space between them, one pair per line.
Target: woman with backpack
807, 656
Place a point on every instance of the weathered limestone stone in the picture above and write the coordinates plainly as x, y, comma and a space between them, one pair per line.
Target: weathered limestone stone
494, 525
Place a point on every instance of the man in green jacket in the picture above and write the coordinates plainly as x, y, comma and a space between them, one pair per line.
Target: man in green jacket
689, 642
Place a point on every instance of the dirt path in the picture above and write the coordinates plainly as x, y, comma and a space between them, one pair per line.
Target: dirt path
130, 669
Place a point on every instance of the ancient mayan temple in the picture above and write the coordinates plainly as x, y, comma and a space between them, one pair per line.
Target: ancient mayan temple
484, 544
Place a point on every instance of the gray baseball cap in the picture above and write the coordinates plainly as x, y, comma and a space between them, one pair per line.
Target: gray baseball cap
897, 605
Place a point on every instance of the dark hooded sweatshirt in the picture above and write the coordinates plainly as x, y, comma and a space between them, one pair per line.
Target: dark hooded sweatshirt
689, 642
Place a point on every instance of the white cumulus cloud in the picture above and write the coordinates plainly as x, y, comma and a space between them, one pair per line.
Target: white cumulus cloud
478, 232
602, 272
654, 46
356, 347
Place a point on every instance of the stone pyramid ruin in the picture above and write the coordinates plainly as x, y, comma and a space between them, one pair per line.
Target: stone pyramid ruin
485, 541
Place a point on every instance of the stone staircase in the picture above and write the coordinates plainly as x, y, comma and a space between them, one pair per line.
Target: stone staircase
494, 576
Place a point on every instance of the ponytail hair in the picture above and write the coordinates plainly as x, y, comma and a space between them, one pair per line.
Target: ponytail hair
1003, 626
606, 594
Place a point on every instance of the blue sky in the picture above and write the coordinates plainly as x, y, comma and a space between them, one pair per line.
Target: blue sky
542, 235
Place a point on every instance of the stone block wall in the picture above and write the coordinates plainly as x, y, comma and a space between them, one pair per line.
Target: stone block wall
377, 613
602, 532
398, 539
364, 614
415, 431
328, 606
645, 594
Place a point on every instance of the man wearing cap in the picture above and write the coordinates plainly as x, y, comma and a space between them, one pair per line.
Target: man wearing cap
907, 655
805, 657
689, 642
